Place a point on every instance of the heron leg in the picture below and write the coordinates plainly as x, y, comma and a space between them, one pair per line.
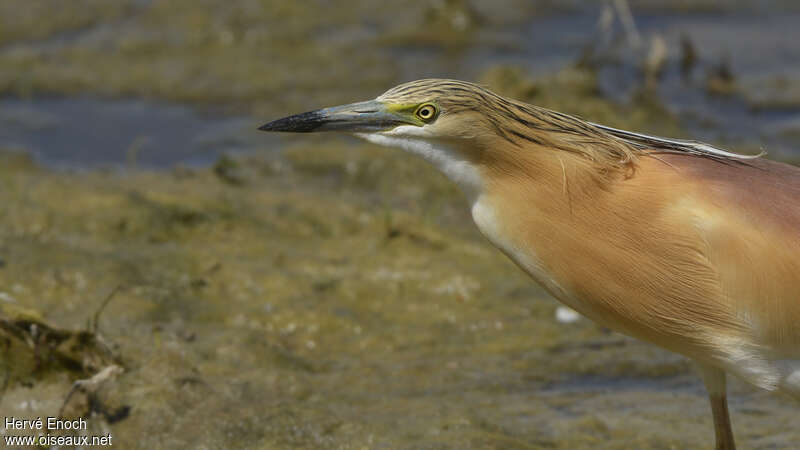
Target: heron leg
714, 379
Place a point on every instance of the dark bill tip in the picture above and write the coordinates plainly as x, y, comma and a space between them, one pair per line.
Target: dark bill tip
298, 123
361, 117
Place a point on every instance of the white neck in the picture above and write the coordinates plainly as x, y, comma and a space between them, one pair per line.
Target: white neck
458, 169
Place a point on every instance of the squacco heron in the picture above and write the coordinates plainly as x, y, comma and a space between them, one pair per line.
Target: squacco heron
675, 242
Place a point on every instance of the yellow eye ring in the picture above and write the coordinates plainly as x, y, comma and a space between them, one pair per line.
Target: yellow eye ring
426, 112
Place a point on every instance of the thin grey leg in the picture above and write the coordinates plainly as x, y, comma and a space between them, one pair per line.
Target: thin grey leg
714, 379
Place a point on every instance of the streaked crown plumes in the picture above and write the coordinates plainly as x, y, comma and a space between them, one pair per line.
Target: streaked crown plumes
515, 122
520, 123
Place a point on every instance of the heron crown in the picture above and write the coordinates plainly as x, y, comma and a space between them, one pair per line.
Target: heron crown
519, 123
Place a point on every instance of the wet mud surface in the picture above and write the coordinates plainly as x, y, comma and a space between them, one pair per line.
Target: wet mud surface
219, 288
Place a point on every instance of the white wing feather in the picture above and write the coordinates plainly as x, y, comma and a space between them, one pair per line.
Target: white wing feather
660, 144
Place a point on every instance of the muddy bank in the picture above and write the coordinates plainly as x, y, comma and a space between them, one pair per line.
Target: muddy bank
315, 292
322, 301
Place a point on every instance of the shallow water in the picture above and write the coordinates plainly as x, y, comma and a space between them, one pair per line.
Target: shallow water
759, 48
87, 132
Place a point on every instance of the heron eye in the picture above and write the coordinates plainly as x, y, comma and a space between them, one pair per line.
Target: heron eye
426, 112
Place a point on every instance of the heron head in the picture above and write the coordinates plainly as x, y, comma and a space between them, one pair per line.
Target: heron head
463, 129
431, 109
